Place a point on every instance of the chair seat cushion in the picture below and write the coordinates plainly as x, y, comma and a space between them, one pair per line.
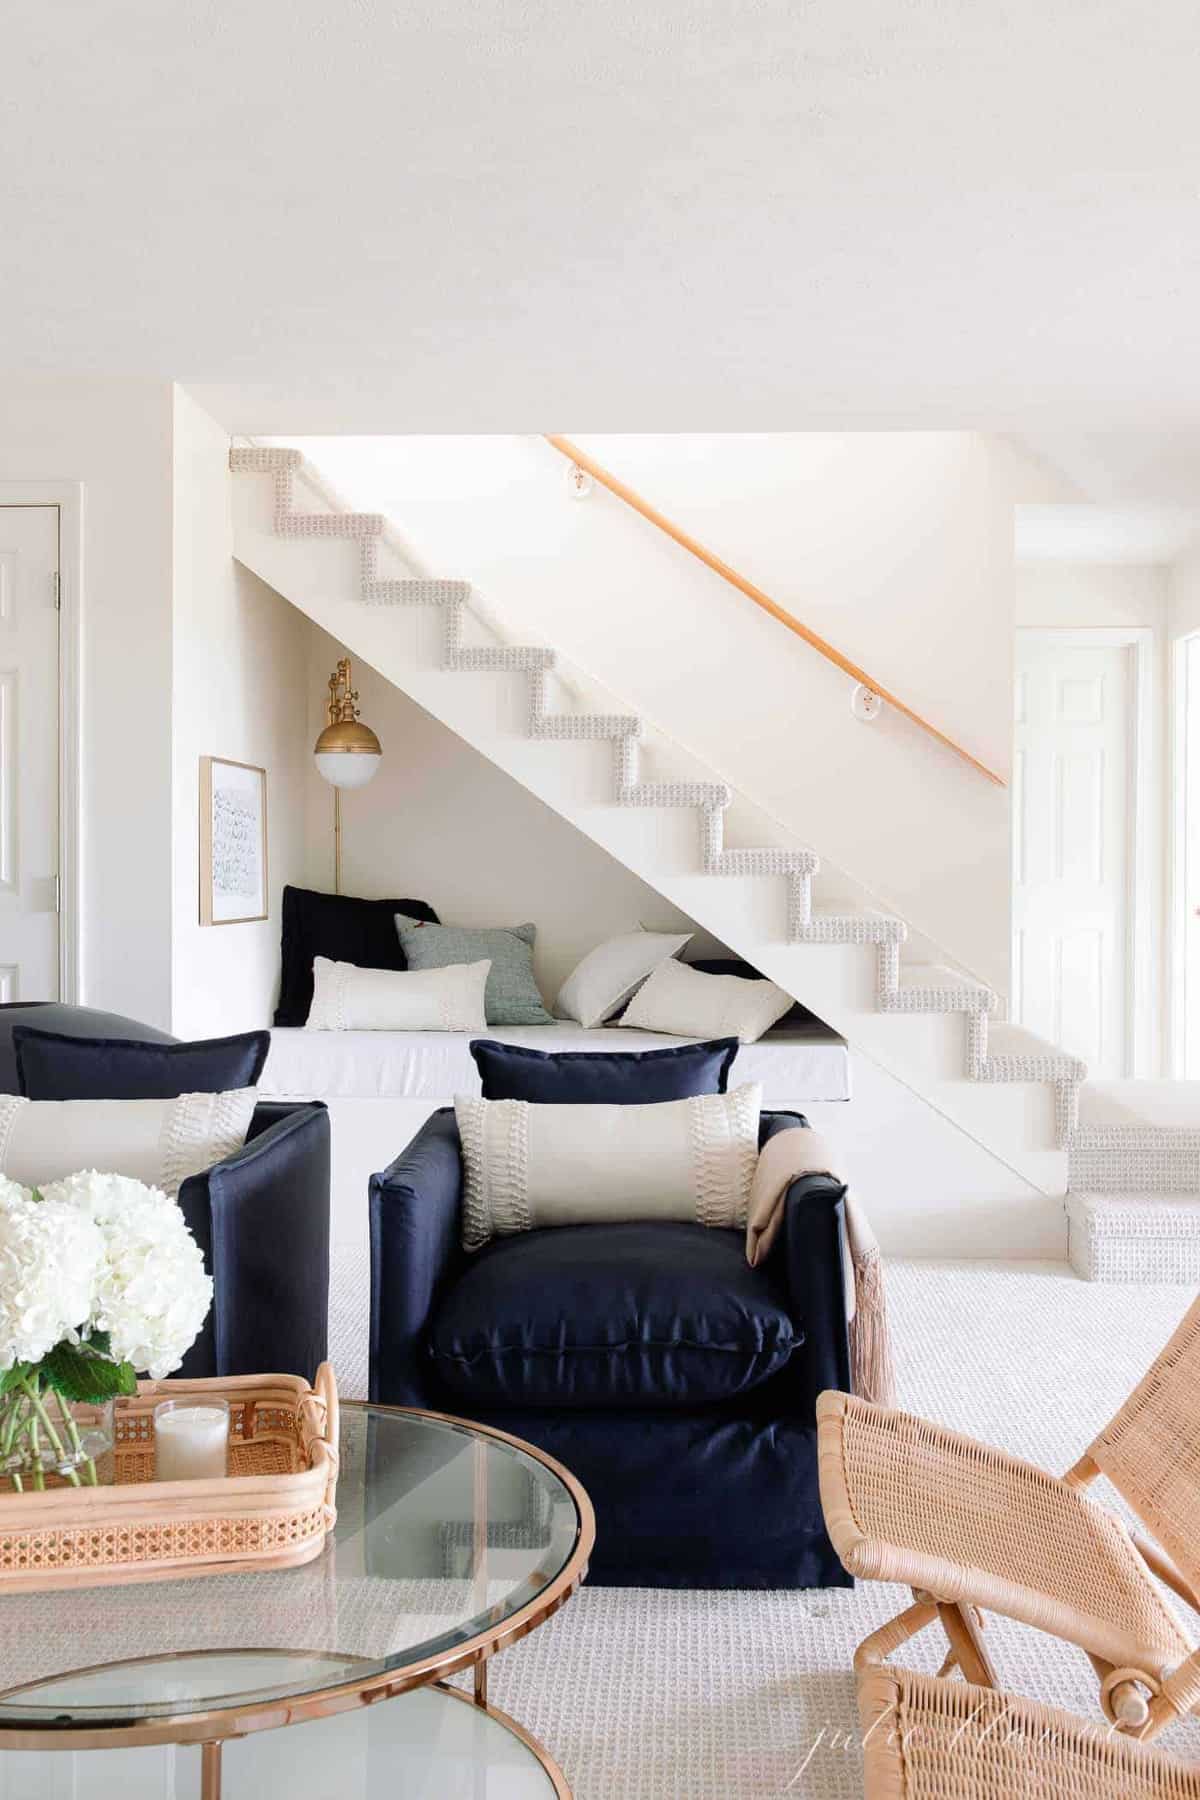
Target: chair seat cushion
655, 1314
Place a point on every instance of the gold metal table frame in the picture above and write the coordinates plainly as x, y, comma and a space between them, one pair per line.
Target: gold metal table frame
211, 1728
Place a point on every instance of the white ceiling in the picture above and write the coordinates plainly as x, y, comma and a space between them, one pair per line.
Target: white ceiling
720, 214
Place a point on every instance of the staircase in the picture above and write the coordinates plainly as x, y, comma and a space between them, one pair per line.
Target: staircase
931, 1025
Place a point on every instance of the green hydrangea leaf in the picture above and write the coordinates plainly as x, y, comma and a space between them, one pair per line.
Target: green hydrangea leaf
76, 1375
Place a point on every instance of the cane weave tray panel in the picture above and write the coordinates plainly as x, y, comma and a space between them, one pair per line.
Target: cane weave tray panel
273, 1509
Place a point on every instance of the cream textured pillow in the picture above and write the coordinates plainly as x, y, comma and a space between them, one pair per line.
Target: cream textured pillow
599, 986
160, 1142
526, 1167
689, 1003
347, 998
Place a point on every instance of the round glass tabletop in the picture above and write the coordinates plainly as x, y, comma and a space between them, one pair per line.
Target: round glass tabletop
449, 1542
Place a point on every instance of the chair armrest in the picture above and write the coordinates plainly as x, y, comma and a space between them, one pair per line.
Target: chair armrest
416, 1250
810, 1256
261, 1218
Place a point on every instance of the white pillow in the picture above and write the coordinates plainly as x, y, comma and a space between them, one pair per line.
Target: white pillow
160, 1142
599, 986
526, 1167
689, 1003
347, 998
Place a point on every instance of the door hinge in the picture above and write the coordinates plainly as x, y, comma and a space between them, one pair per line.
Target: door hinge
56, 590
58, 893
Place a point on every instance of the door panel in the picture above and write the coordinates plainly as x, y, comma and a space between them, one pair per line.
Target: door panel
1071, 846
29, 738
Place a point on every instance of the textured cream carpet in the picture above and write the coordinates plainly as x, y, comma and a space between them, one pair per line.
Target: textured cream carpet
647, 1695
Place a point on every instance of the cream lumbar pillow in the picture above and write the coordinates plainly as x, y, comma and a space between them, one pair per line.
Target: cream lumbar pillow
347, 998
160, 1142
688, 1003
526, 1167
599, 986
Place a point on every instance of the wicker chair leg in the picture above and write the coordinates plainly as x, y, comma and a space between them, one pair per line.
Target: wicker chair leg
879, 1646
1160, 1564
967, 1646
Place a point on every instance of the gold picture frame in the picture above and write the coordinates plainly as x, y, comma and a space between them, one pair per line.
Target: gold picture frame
233, 842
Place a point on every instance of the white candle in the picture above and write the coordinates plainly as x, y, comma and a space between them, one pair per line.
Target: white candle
191, 1443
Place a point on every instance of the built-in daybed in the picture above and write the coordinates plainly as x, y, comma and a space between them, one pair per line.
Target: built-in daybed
803, 1060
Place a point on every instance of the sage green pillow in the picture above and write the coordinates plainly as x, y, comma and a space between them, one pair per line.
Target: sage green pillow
511, 996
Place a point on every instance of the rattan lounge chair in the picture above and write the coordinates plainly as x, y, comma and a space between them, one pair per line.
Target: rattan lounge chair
969, 1527
925, 1739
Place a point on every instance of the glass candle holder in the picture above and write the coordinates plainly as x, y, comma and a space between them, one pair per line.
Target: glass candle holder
46, 1441
191, 1440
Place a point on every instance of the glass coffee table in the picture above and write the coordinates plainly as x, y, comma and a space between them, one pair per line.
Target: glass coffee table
452, 1541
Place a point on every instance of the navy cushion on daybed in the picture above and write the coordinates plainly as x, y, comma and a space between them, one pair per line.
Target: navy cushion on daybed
343, 928
603, 1077
53, 1065
612, 1316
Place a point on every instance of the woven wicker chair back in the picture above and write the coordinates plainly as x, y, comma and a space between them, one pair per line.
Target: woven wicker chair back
1151, 1449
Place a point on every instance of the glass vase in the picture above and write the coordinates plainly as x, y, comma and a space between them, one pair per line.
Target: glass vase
49, 1442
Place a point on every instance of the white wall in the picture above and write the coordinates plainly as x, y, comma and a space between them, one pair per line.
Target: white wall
1184, 606
441, 823
240, 683
1060, 595
898, 548
114, 436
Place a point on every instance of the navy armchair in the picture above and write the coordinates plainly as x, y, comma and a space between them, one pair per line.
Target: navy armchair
676, 1382
261, 1218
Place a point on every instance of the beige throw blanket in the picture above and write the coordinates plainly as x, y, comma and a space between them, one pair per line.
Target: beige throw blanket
782, 1159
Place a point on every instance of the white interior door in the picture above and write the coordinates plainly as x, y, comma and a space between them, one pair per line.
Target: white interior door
1073, 790
1191, 858
29, 739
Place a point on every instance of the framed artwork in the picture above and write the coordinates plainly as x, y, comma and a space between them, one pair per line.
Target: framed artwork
233, 842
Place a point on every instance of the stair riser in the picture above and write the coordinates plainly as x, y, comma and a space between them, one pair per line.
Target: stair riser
1135, 1240
1151, 1162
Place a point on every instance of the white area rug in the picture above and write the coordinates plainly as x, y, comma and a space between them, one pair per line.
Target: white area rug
652, 1695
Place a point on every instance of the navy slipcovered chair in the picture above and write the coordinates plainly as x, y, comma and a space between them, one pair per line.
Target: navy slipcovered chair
261, 1216
675, 1381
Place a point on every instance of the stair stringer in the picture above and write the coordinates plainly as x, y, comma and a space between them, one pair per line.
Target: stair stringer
845, 968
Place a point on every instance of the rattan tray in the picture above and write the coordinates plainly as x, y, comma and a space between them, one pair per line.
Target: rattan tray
271, 1511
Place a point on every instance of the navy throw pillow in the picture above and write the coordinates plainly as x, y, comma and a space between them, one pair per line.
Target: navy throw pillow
343, 928
51, 1065
602, 1077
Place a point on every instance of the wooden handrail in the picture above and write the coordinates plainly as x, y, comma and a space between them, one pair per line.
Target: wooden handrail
632, 498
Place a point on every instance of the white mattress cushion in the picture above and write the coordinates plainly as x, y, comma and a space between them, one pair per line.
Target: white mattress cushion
798, 1063
160, 1142
527, 1167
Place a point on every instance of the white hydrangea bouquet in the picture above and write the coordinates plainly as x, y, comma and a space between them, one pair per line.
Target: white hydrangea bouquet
100, 1280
